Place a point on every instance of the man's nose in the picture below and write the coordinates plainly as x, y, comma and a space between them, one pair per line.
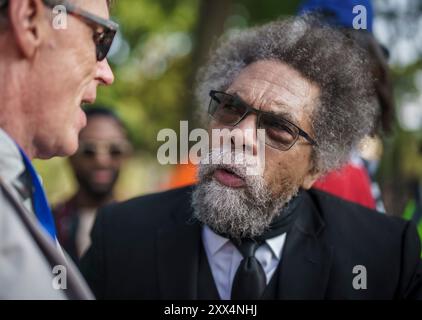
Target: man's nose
104, 74
103, 159
245, 131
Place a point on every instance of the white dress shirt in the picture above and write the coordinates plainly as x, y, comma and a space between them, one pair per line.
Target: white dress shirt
83, 234
224, 258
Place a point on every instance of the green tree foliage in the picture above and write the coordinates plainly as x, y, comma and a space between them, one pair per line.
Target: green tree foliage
152, 74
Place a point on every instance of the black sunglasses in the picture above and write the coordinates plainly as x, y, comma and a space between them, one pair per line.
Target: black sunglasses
104, 29
230, 110
115, 150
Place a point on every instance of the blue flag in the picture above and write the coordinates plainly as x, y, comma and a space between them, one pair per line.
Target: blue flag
340, 12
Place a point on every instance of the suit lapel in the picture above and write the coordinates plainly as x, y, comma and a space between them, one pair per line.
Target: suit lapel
77, 288
178, 247
304, 269
306, 260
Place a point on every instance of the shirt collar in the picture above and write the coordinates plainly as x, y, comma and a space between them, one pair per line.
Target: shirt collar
276, 244
214, 242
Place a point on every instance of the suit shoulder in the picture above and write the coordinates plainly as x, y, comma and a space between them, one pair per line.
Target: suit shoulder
354, 217
151, 206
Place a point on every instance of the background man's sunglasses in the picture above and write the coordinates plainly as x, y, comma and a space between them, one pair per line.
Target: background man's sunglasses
114, 150
230, 110
104, 29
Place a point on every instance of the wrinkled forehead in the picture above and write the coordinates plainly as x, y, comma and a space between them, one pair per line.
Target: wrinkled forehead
275, 86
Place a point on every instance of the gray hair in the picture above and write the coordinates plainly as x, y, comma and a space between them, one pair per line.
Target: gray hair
346, 109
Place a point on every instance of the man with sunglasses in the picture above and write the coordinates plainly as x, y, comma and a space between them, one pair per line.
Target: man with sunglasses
302, 90
103, 147
47, 74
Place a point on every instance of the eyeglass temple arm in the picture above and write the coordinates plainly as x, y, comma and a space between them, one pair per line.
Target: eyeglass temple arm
82, 13
307, 137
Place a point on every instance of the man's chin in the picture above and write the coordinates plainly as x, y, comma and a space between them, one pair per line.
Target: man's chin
68, 149
227, 210
100, 193
62, 149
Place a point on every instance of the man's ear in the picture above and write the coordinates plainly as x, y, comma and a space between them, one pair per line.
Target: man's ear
27, 20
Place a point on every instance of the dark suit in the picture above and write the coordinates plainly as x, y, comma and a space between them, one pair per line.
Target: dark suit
149, 248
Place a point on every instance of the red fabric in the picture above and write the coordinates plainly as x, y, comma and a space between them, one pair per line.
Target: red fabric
64, 213
351, 183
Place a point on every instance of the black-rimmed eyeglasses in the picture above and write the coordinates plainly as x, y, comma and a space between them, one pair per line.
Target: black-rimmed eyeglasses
104, 30
116, 150
230, 110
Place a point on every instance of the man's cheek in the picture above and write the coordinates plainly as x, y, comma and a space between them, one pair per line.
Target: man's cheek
272, 180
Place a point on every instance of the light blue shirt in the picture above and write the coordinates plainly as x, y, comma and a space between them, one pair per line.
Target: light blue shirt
224, 258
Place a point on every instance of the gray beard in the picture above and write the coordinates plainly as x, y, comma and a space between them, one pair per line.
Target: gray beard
237, 212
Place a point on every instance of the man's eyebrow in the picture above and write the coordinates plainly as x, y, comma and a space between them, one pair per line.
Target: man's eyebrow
278, 114
282, 114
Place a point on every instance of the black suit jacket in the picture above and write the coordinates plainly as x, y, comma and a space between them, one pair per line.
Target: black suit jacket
148, 248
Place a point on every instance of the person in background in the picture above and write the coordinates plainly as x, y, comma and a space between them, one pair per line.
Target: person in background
356, 180
103, 145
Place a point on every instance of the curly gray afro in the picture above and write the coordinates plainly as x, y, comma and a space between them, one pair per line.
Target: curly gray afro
347, 107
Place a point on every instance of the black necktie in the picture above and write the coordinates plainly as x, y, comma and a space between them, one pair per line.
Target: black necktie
23, 185
249, 281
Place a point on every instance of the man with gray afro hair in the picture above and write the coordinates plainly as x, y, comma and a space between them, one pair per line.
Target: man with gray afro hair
346, 107
287, 102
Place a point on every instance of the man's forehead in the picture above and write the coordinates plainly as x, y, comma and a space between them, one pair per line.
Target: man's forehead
274, 84
102, 128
